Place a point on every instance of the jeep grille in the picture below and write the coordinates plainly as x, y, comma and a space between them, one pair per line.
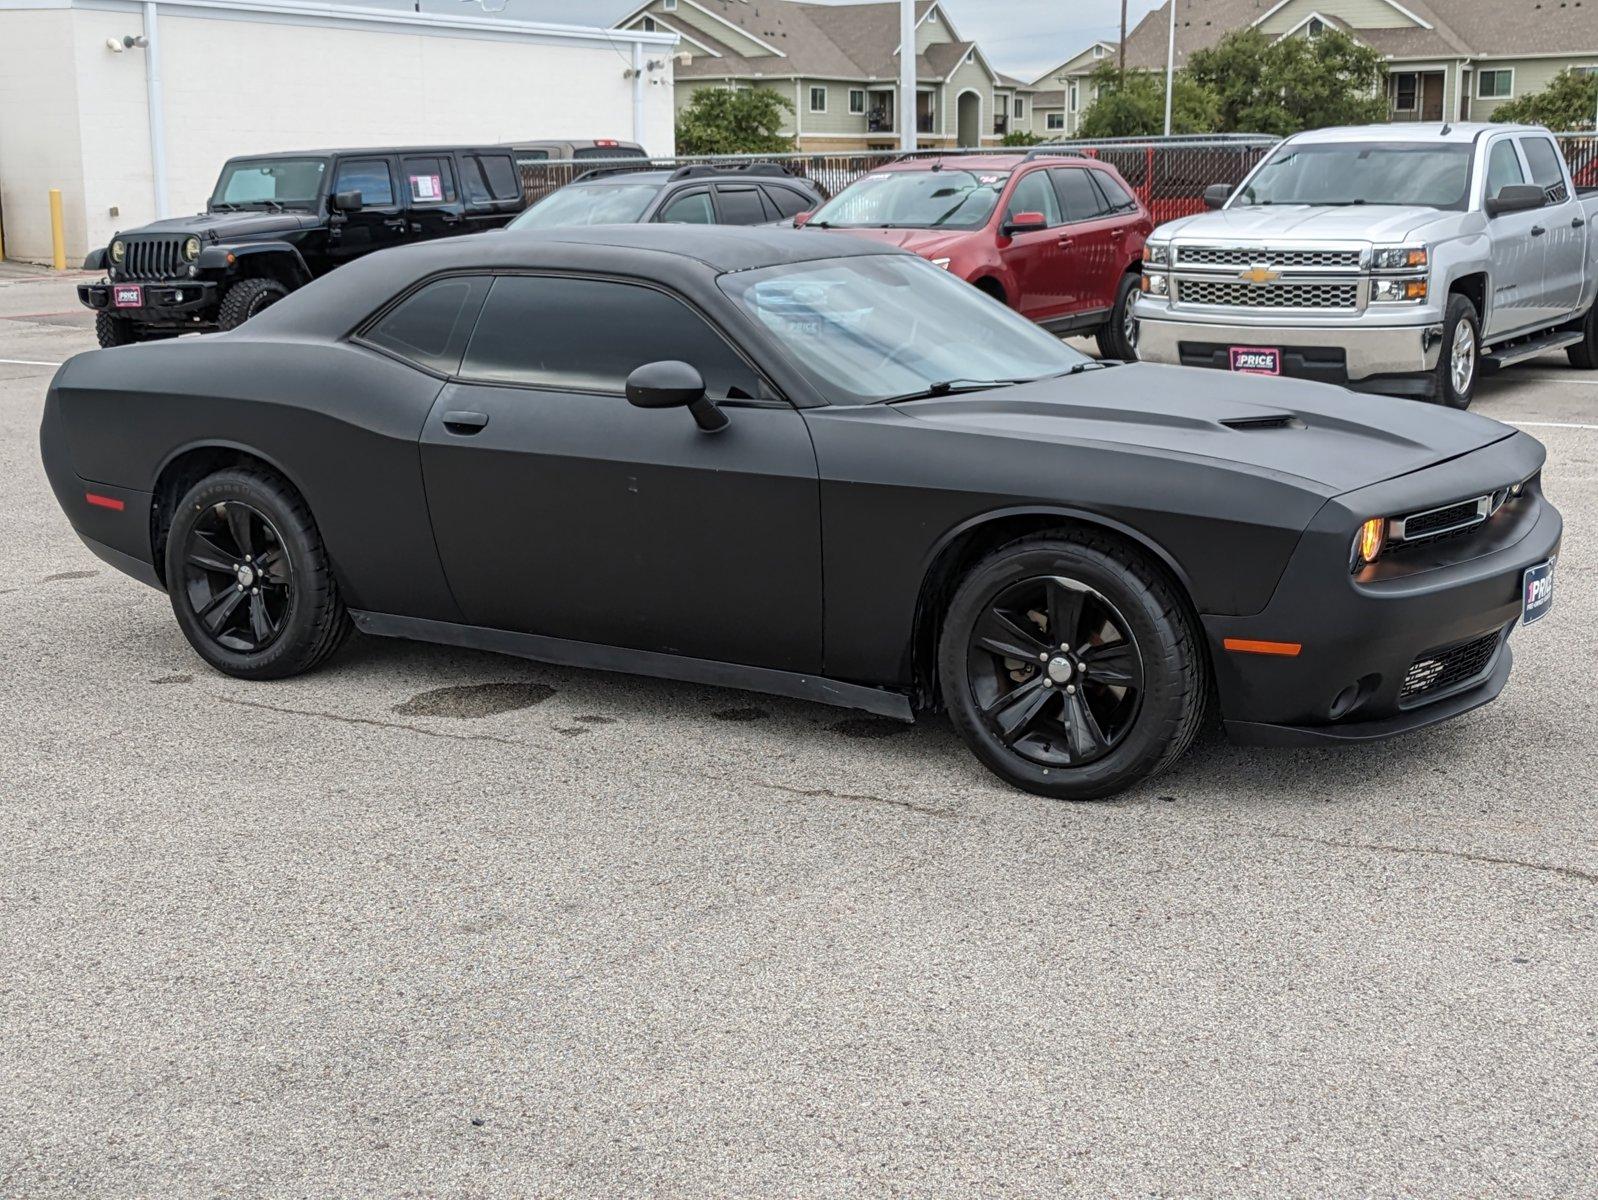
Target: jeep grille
153, 257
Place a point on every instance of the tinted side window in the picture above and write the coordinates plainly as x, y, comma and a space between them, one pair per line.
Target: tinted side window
1081, 202
472, 182
588, 335
1116, 196
1543, 160
740, 206
502, 178
1503, 166
428, 180
1034, 194
368, 176
789, 202
690, 208
431, 326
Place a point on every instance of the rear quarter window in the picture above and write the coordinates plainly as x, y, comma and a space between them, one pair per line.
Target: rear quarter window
432, 325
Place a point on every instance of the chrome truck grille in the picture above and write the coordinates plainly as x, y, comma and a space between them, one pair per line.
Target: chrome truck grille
1242, 256
1220, 293
158, 257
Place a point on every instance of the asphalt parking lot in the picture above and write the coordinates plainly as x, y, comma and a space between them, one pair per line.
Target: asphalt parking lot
438, 923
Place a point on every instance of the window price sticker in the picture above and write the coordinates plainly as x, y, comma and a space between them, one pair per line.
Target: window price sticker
427, 187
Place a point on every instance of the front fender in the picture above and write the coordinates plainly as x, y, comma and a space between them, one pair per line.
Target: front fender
95, 260
223, 258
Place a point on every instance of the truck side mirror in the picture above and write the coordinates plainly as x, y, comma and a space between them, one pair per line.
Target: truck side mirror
673, 384
1217, 194
1516, 197
347, 201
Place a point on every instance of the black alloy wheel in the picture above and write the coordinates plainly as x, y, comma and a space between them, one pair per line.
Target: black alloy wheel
237, 576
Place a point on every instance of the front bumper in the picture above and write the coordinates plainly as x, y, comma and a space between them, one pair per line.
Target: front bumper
1357, 355
1369, 641
180, 302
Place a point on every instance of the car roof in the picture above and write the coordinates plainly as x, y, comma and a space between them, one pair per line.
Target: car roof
1412, 131
473, 147
982, 162
720, 247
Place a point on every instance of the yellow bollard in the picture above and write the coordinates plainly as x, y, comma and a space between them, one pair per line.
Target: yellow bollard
58, 237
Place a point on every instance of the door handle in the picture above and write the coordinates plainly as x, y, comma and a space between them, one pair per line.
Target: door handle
1537, 231
453, 218
1064, 239
396, 223
465, 422
1577, 223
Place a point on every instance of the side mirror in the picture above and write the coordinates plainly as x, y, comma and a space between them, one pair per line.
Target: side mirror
1025, 222
672, 384
1217, 194
347, 201
1516, 197
803, 219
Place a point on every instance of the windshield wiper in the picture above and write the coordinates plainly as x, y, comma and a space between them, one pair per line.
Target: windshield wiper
955, 387
1090, 365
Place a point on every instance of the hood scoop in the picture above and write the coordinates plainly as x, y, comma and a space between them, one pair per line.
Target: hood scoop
1265, 421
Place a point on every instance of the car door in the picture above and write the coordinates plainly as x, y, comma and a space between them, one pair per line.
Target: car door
789, 202
1565, 239
692, 206
432, 200
490, 190
1517, 255
741, 204
560, 509
380, 222
1092, 249
1035, 258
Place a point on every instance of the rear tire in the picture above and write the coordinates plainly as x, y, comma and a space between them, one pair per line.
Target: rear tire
1584, 354
1071, 666
1459, 361
1117, 337
249, 577
246, 298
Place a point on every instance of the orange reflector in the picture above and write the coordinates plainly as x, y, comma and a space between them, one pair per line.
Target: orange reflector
1250, 646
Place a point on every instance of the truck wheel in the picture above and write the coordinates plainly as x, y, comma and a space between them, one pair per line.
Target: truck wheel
1117, 337
1584, 354
246, 298
1071, 667
1459, 362
115, 331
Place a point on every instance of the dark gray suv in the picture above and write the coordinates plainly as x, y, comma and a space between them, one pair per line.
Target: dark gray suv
701, 194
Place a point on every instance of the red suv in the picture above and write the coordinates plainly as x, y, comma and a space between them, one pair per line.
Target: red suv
1059, 239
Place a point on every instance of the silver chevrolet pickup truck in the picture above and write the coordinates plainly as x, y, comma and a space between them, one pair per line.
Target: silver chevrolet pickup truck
1401, 259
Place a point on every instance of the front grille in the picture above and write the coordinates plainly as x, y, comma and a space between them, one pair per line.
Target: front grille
1242, 256
1275, 295
153, 258
1439, 519
1439, 670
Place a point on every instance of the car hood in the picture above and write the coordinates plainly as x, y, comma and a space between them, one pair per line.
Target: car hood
1335, 439
228, 226
1305, 222
929, 243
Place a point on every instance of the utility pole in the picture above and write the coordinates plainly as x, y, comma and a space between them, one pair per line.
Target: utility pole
906, 116
1170, 68
1121, 45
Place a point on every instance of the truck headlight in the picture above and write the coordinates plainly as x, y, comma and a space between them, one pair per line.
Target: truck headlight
1397, 291
1157, 253
1156, 285
191, 249
1398, 258
119, 250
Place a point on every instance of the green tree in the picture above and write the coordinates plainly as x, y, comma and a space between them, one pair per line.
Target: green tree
1296, 83
746, 121
1021, 137
1132, 104
1567, 103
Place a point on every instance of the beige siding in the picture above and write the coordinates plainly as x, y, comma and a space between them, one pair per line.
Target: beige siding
693, 19
931, 32
1357, 14
1531, 75
969, 76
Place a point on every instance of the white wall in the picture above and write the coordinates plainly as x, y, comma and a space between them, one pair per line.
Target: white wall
73, 113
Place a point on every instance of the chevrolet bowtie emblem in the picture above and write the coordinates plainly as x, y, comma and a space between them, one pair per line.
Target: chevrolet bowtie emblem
1260, 273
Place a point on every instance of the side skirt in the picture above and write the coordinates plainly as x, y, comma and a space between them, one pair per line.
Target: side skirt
564, 653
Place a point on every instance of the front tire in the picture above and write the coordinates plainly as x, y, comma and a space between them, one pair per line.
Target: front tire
1117, 337
246, 298
1071, 666
1459, 363
249, 577
1584, 354
112, 331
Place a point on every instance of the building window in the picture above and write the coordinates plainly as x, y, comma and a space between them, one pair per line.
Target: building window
649, 25
1316, 27
1055, 120
1098, 51
818, 99
857, 101
1404, 89
1495, 85
1073, 95
1020, 108
670, 5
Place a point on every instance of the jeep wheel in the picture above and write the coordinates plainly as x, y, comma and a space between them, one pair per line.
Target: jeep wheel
246, 298
115, 331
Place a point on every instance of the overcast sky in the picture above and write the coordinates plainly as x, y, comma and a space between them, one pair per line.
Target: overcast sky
1020, 37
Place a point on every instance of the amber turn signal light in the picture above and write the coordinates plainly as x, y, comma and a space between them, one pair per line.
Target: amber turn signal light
1372, 536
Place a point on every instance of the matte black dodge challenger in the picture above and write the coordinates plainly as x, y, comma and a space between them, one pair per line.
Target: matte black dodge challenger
812, 466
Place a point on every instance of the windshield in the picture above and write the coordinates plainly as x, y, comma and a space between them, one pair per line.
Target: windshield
915, 200
270, 183
1429, 174
877, 327
589, 204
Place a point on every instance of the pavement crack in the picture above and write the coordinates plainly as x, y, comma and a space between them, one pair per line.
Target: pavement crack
381, 724
1574, 873
859, 797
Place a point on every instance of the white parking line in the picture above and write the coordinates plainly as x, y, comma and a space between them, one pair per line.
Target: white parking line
24, 362
1544, 424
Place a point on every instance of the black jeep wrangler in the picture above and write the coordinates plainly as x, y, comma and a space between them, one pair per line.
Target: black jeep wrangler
276, 221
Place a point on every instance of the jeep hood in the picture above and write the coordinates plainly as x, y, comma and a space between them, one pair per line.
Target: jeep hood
228, 226
1332, 438
1305, 222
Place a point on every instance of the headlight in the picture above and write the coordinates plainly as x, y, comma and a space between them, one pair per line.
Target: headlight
1157, 253
1397, 291
941, 262
191, 249
1368, 542
1156, 285
1398, 258
119, 250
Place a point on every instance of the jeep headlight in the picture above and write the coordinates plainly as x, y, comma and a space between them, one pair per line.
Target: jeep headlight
191, 249
1399, 258
1157, 254
119, 250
